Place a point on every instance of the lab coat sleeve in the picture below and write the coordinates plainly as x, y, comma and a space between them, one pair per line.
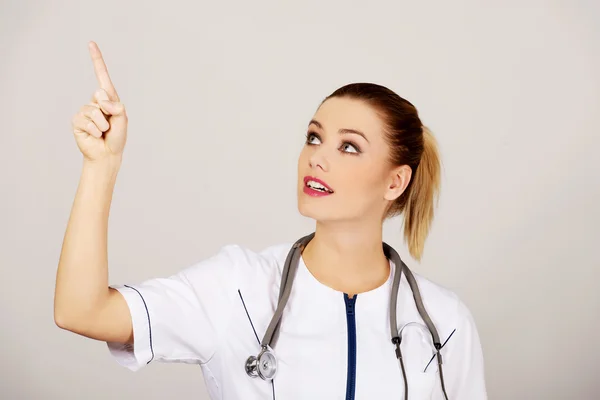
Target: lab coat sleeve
463, 361
180, 318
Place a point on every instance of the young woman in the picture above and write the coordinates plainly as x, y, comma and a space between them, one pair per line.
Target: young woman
335, 315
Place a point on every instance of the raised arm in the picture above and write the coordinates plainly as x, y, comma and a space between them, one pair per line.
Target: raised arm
83, 302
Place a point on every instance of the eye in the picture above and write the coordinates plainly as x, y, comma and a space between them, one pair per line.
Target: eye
310, 135
355, 149
353, 146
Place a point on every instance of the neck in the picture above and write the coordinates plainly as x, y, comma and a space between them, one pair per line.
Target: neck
347, 256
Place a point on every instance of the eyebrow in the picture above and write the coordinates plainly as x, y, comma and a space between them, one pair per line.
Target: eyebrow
341, 131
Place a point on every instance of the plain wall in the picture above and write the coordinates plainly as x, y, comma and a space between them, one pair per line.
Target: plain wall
219, 96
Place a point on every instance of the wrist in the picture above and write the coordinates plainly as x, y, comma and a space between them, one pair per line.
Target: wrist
108, 162
107, 167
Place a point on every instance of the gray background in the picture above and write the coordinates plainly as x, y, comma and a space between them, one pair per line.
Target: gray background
219, 96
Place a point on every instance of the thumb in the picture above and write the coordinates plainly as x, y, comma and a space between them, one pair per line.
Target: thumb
112, 108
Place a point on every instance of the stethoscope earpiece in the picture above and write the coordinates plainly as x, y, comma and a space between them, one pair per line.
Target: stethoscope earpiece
263, 366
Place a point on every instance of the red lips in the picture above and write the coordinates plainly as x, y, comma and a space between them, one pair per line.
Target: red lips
312, 178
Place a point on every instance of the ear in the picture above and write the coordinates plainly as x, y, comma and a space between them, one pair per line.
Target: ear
399, 180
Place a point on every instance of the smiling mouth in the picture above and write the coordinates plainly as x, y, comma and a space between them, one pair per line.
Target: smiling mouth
318, 189
317, 186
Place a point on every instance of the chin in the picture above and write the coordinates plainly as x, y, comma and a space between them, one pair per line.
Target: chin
317, 216
318, 212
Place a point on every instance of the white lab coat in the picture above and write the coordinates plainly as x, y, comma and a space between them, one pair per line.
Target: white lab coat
215, 312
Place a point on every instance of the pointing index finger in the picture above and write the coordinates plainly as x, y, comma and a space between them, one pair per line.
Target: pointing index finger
102, 72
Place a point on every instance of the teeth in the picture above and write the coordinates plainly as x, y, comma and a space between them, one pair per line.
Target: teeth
318, 186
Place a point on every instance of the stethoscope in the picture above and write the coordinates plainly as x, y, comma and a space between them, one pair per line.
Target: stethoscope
264, 365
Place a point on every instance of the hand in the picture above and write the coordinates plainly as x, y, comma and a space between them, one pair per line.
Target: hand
100, 127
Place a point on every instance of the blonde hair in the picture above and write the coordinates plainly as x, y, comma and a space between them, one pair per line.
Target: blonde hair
422, 197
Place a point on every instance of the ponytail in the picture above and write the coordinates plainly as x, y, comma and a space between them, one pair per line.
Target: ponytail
422, 197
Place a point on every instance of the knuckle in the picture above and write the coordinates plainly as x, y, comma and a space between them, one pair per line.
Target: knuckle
100, 94
76, 122
96, 114
77, 118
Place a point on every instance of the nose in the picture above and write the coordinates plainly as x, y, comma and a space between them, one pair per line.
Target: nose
318, 159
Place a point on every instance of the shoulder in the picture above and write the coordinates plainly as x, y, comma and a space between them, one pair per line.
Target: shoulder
439, 296
444, 305
242, 256
460, 340
236, 262
268, 257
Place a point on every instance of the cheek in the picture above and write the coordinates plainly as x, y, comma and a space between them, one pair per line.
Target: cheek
366, 178
366, 186
363, 185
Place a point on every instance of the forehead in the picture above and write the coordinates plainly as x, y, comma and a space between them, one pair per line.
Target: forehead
341, 112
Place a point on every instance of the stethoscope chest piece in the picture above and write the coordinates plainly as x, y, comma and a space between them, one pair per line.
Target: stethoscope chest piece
263, 366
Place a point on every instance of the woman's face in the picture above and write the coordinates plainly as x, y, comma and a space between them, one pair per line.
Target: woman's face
346, 151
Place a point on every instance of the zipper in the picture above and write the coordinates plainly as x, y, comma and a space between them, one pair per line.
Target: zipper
351, 322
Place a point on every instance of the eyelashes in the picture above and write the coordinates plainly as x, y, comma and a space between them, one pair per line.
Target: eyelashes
349, 143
